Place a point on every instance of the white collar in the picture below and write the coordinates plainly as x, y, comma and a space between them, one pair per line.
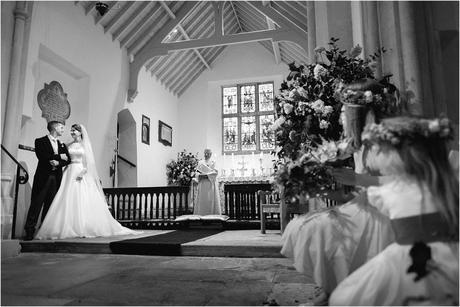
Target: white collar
52, 138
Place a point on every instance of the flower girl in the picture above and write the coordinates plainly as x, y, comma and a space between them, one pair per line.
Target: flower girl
421, 267
330, 244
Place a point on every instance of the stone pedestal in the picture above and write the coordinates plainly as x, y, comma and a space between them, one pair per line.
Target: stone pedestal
7, 205
10, 248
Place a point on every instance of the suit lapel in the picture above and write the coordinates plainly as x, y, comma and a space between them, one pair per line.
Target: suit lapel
48, 141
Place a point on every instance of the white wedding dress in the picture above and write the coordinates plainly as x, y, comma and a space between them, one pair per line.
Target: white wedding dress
79, 208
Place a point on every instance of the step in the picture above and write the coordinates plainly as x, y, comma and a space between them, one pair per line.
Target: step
230, 243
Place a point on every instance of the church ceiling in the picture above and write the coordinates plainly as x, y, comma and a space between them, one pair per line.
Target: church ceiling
134, 23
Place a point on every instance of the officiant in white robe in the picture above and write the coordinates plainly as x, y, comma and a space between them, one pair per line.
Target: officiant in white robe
207, 201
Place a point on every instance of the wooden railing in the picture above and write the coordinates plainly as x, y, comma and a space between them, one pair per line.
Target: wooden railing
241, 201
148, 207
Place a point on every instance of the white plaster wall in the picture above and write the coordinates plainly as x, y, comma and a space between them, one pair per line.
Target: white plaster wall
157, 103
200, 106
66, 46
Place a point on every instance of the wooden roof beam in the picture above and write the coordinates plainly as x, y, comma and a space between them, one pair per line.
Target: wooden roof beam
236, 16
276, 35
182, 31
275, 45
118, 17
90, 7
277, 17
135, 31
131, 20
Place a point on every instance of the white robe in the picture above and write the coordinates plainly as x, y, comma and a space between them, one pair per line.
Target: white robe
207, 201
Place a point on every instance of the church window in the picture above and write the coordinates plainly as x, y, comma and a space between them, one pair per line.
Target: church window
247, 114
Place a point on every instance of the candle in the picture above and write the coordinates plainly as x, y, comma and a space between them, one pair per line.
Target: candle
253, 159
233, 160
261, 154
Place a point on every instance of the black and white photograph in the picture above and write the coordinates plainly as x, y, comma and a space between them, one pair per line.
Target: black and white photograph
230, 153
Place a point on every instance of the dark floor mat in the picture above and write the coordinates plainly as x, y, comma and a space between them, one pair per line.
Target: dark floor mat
168, 244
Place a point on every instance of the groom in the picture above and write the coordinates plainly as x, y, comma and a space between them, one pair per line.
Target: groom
52, 156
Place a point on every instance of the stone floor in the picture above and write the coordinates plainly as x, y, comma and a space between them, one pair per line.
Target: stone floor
108, 279
230, 243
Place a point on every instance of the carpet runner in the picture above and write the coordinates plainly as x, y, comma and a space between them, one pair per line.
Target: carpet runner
168, 244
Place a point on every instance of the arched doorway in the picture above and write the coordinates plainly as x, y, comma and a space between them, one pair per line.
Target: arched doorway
127, 150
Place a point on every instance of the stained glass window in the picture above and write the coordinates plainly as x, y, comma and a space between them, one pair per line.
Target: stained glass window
229, 100
266, 97
267, 137
248, 133
231, 134
247, 114
248, 98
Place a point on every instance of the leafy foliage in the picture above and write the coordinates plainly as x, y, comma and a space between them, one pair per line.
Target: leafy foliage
182, 171
308, 116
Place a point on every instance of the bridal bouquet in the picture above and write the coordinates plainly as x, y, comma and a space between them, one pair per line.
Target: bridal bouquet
182, 171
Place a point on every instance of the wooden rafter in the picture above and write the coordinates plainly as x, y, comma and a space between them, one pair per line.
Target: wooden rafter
277, 17
275, 45
118, 17
131, 20
276, 35
135, 31
90, 7
182, 31
236, 16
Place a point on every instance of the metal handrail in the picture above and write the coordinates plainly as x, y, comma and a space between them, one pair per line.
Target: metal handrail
21, 179
127, 161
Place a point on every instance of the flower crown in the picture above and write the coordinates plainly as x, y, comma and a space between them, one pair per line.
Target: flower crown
394, 131
379, 95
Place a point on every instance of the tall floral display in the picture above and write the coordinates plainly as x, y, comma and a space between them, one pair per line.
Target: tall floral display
308, 118
182, 171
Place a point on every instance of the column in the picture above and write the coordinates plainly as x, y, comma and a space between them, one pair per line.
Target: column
311, 19
411, 65
371, 32
357, 24
13, 108
12, 124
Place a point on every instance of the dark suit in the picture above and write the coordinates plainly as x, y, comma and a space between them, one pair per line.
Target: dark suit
46, 180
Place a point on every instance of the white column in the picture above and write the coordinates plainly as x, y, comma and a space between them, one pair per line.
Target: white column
13, 107
12, 124
357, 24
311, 19
411, 65
371, 32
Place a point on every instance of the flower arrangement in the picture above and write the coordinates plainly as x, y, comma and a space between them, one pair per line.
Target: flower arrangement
308, 107
182, 171
308, 128
309, 175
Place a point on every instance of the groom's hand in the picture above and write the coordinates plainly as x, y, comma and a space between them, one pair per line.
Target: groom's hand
64, 157
54, 163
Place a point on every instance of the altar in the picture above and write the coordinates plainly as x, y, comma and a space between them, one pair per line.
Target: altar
238, 196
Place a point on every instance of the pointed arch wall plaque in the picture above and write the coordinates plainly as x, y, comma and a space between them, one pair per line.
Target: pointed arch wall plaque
53, 102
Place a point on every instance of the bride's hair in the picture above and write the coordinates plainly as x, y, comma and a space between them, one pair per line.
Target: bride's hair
417, 148
77, 127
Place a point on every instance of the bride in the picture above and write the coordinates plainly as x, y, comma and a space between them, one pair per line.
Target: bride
79, 208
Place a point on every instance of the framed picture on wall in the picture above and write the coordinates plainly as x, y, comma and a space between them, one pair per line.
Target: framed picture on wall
145, 130
164, 133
